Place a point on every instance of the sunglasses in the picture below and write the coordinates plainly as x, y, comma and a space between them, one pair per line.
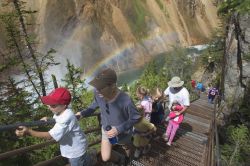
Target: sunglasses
107, 108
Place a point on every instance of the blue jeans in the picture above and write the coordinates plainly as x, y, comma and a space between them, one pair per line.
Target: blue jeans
80, 161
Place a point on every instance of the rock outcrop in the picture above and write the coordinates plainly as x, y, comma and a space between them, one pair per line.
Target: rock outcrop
122, 33
236, 70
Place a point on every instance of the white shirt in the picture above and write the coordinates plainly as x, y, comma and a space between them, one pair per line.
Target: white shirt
68, 133
182, 97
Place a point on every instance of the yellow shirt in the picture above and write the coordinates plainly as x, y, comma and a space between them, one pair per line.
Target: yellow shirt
143, 126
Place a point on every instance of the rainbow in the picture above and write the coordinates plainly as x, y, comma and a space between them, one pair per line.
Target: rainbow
115, 54
120, 52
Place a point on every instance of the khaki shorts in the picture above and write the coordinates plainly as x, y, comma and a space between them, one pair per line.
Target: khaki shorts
140, 141
122, 138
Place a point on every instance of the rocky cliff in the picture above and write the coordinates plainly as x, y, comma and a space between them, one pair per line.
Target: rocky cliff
122, 33
236, 74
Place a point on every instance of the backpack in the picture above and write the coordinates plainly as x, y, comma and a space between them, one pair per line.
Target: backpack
213, 92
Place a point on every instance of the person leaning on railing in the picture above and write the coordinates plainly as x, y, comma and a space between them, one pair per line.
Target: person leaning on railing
66, 131
118, 112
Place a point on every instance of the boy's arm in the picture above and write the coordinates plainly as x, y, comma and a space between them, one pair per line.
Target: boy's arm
38, 134
134, 116
91, 109
28, 131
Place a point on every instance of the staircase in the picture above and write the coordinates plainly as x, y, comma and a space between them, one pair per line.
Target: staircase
192, 144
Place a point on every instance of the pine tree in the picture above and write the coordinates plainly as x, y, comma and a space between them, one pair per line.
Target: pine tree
236, 147
21, 44
229, 7
15, 106
177, 63
15, 46
75, 84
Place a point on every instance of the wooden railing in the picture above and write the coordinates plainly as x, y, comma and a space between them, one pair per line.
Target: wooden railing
213, 150
31, 148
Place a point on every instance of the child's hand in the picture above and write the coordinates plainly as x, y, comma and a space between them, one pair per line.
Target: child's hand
78, 115
112, 133
139, 106
44, 119
22, 131
177, 113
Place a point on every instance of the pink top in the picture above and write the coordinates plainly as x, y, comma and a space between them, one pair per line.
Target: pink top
174, 118
147, 105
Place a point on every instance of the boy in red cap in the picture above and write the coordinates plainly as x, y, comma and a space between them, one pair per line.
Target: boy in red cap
66, 131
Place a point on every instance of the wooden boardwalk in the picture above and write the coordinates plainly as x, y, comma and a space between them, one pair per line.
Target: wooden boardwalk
192, 145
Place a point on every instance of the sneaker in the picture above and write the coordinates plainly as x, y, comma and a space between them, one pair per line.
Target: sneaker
146, 149
137, 153
122, 161
165, 137
167, 119
156, 138
168, 143
136, 163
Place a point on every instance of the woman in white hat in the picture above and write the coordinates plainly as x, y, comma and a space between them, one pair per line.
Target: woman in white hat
176, 92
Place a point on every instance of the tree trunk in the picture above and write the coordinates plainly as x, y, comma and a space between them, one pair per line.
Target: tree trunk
31, 50
22, 60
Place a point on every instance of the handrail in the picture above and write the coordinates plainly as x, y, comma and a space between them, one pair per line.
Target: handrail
34, 123
41, 145
209, 151
50, 161
25, 149
27, 124
37, 146
217, 149
213, 155
194, 96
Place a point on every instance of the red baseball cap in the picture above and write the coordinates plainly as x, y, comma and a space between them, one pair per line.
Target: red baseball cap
57, 96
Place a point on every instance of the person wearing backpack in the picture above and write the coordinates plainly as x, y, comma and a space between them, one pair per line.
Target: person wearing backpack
211, 94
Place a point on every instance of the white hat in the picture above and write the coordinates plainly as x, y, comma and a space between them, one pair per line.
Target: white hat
175, 82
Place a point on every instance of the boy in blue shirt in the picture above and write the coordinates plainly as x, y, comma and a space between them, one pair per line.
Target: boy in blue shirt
117, 110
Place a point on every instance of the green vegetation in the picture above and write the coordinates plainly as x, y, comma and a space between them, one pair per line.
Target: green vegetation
214, 52
137, 18
246, 57
20, 46
160, 4
158, 72
179, 64
229, 7
17, 104
237, 146
75, 85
